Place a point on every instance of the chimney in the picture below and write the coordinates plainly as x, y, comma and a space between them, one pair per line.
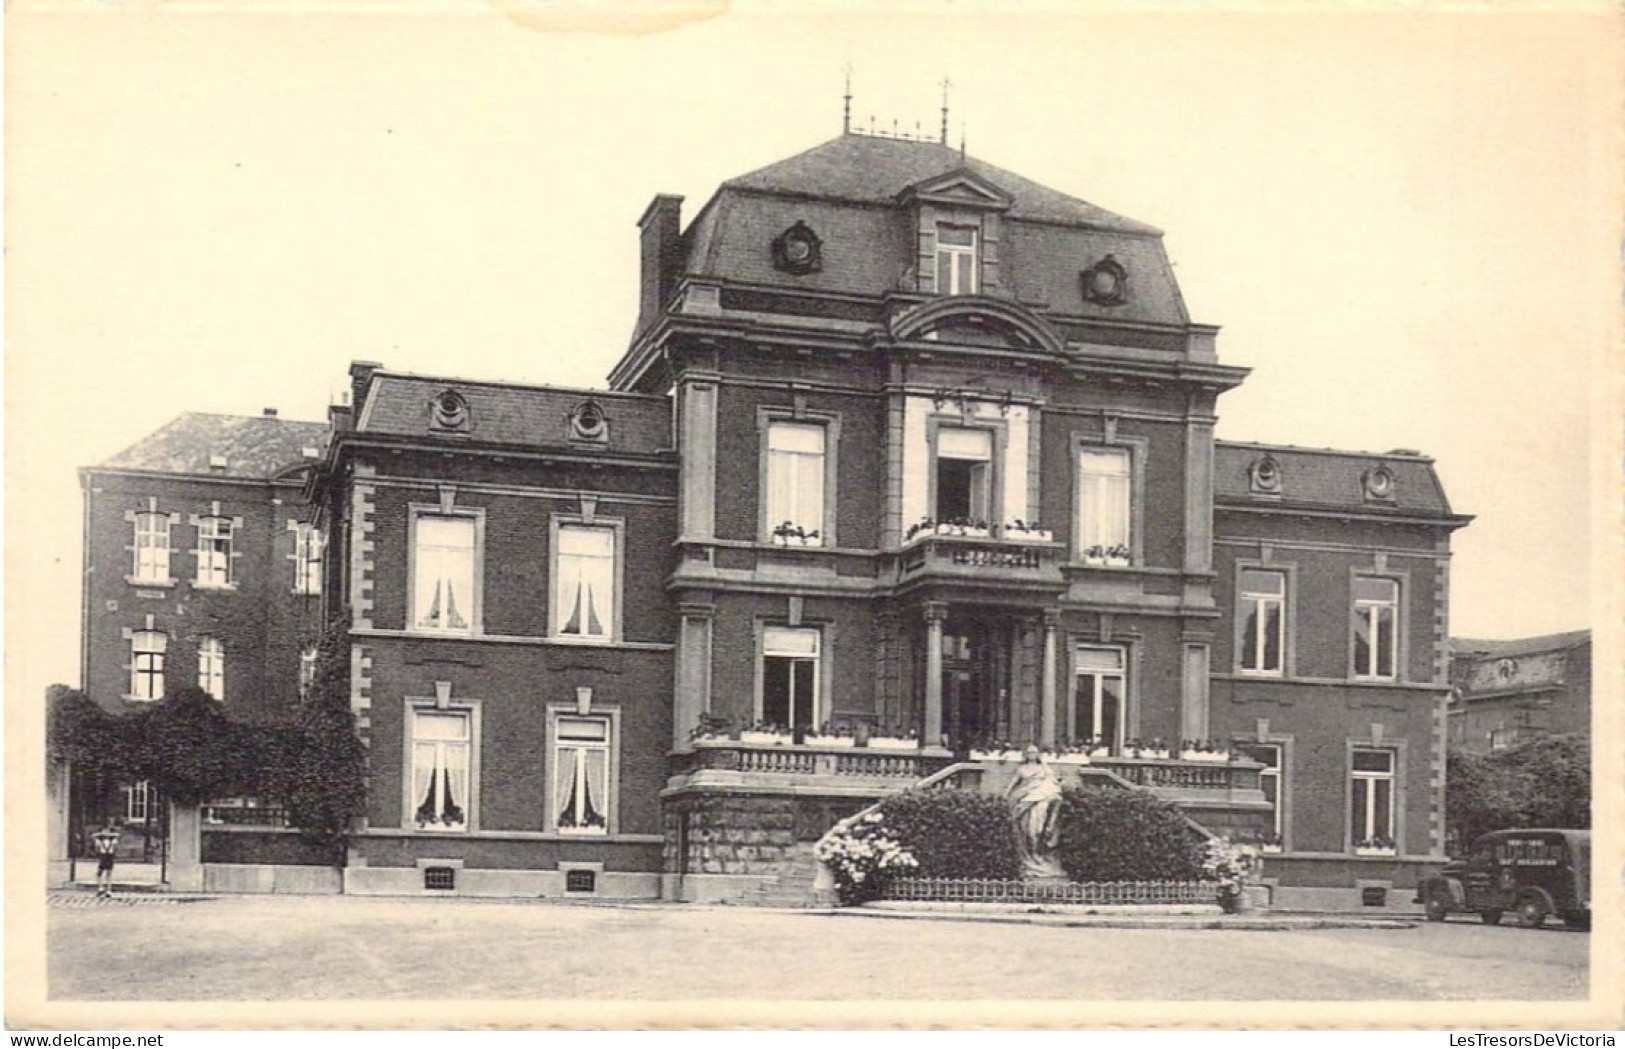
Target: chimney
269, 413
360, 379
662, 256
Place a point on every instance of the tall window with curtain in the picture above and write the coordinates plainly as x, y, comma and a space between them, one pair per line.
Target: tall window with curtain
1271, 780
584, 583
211, 666
1105, 504
151, 548
440, 761
795, 480
443, 574
1099, 686
1371, 812
214, 536
581, 774
1376, 615
1263, 621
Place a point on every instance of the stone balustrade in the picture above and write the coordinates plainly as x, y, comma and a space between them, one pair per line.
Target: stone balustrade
953, 555
839, 765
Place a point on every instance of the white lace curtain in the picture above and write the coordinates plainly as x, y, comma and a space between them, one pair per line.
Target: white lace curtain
586, 581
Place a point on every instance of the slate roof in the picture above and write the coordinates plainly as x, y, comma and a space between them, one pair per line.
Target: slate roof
866, 169
255, 447
847, 190
1314, 478
1518, 646
399, 404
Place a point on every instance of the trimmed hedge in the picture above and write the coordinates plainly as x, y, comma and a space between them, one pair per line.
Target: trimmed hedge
1126, 835
955, 833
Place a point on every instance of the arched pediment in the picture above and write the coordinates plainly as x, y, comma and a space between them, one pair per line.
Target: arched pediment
976, 320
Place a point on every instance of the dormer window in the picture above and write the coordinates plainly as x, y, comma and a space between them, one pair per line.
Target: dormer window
956, 260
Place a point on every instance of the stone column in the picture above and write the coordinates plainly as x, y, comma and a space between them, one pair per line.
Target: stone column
935, 613
58, 776
1194, 705
697, 443
692, 693
185, 867
1047, 686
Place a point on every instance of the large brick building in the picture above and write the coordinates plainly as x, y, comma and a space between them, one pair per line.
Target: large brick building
1514, 691
905, 450
201, 567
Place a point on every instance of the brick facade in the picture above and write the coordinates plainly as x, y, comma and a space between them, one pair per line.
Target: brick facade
1014, 524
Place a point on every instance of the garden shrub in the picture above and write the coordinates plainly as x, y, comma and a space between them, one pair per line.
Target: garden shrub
1126, 835
955, 833
1541, 783
864, 855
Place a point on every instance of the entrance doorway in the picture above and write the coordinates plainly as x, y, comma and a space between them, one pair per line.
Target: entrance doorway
976, 680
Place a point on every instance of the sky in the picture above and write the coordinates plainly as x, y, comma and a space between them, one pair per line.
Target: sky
1404, 223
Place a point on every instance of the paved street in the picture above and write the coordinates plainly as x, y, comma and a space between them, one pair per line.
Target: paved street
326, 948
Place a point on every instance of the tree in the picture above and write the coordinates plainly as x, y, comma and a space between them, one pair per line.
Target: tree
1543, 783
323, 782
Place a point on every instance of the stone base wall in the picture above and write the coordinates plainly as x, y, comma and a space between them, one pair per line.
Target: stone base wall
746, 834
272, 878
499, 884
730, 835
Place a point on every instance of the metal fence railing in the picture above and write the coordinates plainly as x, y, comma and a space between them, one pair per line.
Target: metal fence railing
996, 890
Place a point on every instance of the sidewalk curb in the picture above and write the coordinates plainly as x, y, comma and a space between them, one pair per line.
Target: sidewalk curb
1246, 923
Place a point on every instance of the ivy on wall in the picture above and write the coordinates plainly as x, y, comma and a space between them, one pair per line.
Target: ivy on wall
186, 746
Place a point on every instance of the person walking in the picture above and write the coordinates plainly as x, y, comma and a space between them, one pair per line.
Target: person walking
105, 843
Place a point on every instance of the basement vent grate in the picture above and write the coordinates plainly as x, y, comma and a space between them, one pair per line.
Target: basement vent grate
443, 878
580, 881
1374, 896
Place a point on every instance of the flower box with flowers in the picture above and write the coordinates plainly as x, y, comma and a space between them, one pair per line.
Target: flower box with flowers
1069, 757
1107, 556
1375, 847
1020, 531
831, 741
761, 737
893, 743
788, 534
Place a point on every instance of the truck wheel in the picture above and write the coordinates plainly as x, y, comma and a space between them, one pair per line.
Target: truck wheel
1490, 917
1532, 912
1437, 906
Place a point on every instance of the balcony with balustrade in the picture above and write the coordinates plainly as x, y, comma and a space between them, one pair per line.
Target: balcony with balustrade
982, 557
812, 768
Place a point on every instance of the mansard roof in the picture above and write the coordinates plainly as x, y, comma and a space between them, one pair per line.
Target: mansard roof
242, 447
398, 404
1519, 646
857, 192
1327, 479
871, 170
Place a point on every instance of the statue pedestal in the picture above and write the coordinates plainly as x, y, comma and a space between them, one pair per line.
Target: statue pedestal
1042, 868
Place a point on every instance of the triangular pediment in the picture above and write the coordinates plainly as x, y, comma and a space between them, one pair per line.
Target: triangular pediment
962, 187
